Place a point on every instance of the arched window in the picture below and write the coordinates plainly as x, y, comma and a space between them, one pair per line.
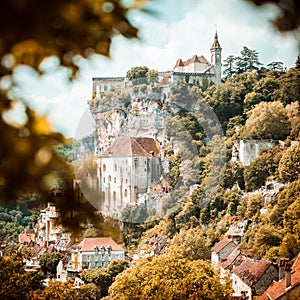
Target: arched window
109, 178
125, 193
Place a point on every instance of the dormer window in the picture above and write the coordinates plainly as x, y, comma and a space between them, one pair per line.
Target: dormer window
102, 250
109, 250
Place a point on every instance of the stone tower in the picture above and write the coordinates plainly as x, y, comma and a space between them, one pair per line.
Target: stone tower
216, 51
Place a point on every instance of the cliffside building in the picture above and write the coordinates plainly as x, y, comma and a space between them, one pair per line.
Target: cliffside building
125, 169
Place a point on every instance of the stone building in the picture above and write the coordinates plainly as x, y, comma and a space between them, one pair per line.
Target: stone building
126, 168
94, 253
198, 70
252, 277
288, 287
222, 249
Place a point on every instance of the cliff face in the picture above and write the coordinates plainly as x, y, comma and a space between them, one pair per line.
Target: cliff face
137, 115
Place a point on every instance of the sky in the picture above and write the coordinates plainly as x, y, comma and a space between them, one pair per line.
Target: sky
178, 29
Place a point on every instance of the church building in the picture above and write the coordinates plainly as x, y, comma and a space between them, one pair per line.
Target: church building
198, 70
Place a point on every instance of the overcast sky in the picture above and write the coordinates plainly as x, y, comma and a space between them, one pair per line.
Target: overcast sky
179, 29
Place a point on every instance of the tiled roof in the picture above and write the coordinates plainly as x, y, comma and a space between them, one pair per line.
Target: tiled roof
130, 146
88, 244
179, 63
234, 259
250, 271
222, 244
278, 289
26, 237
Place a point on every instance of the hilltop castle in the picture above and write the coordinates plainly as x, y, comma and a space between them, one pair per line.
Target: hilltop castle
195, 70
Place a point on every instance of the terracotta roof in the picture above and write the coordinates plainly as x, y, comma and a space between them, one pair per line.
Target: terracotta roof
202, 59
278, 289
26, 237
222, 244
88, 244
234, 259
250, 271
179, 63
129, 146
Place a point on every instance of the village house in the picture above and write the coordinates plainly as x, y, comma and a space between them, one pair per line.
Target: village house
221, 250
252, 277
153, 246
94, 253
288, 287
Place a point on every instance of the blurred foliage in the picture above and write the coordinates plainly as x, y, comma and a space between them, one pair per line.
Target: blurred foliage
30, 32
288, 18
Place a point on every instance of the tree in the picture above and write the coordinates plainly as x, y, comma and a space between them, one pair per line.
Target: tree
276, 65
293, 112
229, 66
289, 165
264, 90
289, 89
152, 76
55, 290
16, 283
227, 99
248, 61
138, 75
49, 262
192, 244
169, 276
267, 121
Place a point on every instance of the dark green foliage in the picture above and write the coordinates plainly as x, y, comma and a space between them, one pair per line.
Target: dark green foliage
49, 262
23, 214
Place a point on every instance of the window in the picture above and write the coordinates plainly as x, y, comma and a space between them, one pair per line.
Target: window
109, 178
104, 167
115, 180
125, 193
103, 179
115, 167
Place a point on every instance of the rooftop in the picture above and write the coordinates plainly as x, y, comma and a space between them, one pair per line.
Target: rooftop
89, 244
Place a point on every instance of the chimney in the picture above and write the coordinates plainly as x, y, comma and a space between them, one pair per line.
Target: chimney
282, 263
288, 269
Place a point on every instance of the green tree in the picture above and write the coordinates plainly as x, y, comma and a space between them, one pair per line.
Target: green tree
138, 75
169, 276
248, 61
289, 165
289, 89
229, 66
49, 262
276, 65
267, 120
265, 90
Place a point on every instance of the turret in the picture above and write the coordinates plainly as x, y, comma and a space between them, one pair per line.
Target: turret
216, 51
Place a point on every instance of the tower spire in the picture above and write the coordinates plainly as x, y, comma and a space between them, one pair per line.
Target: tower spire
216, 44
